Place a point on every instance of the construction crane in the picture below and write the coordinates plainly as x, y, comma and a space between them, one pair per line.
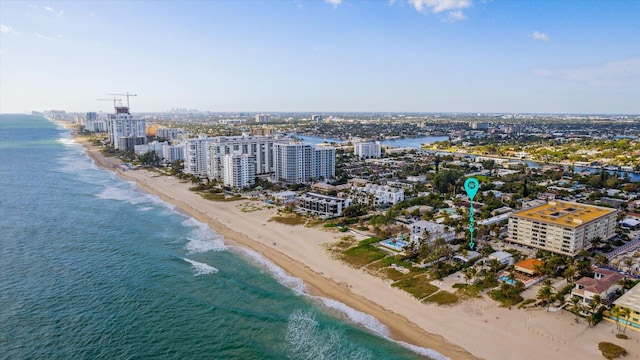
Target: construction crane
125, 94
115, 101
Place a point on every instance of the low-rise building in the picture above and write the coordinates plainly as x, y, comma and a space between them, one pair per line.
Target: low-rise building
604, 283
561, 227
631, 300
431, 230
322, 206
376, 195
502, 257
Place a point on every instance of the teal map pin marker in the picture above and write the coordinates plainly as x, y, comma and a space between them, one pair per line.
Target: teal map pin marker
471, 185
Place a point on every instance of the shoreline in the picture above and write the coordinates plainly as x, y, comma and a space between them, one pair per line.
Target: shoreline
401, 330
464, 331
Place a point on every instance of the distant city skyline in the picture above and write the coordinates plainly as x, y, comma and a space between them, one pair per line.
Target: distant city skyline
438, 56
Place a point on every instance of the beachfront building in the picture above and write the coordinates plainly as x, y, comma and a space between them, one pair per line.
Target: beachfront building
172, 153
376, 196
503, 257
125, 131
431, 231
322, 206
296, 162
323, 162
152, 146
92, 123
195, 155
561, 227
260, 147
367, 149
292, 162
604, 283
239, 170
631, 300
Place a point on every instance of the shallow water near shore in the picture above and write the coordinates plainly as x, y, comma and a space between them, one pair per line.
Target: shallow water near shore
92, 267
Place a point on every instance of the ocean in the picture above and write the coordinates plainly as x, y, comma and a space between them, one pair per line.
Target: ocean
92, 267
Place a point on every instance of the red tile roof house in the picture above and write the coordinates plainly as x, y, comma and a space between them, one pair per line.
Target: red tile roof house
604, 283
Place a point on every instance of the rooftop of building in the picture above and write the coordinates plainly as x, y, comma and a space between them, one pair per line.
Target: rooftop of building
597, 286
527, 265
630, 299
564, 213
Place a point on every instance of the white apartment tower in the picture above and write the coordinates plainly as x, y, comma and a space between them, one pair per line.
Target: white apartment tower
292, 162
261, 147
239, 170
368, 149
323, 162
195, 156
300, 162
124, 130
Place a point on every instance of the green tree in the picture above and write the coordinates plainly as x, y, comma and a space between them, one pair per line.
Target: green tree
545, 293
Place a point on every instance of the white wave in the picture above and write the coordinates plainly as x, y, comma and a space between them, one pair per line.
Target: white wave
146, 208
292, 282
305, 340
201, 268
202, 238
121, 194
358, 317
430, 353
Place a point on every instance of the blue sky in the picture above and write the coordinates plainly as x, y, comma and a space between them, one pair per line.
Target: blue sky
338, 55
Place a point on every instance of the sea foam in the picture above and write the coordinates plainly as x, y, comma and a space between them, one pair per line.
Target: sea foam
202, 238
360, 318
292, 282
201, 268
304, 339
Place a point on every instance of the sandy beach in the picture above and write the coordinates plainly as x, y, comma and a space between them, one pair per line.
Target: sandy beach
470, 330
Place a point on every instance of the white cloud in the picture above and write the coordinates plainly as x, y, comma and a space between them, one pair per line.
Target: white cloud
623, 73
43, 36
53, 11
540, 36
335, 3
455, 16
452, 8
438, 6
6, 29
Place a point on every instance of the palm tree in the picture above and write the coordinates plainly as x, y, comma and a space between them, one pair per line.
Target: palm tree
596, 241
600, 260
570, 273
595, 303
545, 294
574, 309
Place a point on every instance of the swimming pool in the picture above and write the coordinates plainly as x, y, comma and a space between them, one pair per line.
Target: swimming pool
397, 246
506, 279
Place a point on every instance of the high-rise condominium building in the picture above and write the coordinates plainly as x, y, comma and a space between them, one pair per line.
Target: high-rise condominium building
561, 227
239, 170
261, 147
124, 130
301, 162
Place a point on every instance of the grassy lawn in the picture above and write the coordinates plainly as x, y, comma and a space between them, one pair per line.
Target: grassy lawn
362, 255
220, 197
288, 220
443, 298
417, 286
465, 291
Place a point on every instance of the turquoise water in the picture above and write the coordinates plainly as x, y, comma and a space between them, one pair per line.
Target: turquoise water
91, 267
